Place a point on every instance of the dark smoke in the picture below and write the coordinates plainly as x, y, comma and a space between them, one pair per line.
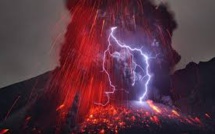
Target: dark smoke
138, 20
156, 20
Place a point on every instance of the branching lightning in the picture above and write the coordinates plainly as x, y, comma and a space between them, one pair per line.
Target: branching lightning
138, 50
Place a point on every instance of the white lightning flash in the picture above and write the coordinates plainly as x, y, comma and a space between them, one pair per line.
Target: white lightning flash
122, 45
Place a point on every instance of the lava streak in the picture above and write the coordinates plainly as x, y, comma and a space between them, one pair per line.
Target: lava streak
138, 119
84, 51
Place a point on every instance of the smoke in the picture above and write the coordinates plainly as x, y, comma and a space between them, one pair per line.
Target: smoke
140, 22
156, 22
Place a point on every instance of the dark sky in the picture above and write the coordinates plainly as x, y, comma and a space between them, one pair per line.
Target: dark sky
28, 29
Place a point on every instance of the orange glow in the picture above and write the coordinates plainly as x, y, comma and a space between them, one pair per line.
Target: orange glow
175, 113
114, 118
60, 107
4, 131
151, 105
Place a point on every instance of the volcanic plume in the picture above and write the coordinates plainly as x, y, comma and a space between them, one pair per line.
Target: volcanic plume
115, 65
140, 23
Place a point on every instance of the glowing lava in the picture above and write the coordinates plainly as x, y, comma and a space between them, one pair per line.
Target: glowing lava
86, 39
147, 117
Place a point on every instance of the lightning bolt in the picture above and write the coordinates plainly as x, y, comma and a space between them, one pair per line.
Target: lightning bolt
122, 45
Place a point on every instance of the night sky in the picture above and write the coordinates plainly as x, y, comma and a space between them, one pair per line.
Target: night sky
29, 27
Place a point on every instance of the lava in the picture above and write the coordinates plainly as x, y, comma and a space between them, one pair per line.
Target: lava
88, 64
111, 50
4, 131
143, 116
155, 108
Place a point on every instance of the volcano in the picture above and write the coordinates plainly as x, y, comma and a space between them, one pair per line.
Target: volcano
121, 117
114, 77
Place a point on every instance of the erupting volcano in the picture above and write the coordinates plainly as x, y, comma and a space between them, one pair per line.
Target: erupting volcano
114, 74
114, 51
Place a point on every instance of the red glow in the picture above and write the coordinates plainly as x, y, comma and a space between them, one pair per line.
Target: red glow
80, 72
207, 115
155, 108
60, 107
154, 119
175, 113
4, 131
114, 118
